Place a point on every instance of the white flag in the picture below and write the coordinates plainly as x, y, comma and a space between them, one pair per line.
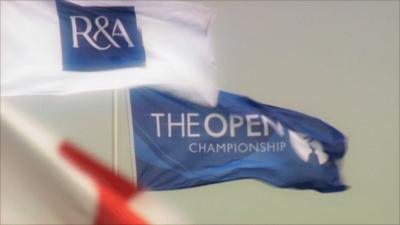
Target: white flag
67, 46
45, 179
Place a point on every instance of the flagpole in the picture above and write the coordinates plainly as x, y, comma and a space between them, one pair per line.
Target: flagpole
127, 102
115, 131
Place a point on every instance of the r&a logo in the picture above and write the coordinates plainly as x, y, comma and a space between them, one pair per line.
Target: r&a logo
99, 38
101, 23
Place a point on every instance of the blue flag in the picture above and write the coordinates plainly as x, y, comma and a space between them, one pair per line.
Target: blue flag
179, 144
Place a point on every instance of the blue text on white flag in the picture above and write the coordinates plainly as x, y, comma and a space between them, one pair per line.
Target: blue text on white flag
99, 38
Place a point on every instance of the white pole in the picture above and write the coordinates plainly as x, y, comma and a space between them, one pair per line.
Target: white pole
115, 131
131, 139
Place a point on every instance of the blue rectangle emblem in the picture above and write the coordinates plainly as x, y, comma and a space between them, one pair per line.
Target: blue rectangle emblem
99, 38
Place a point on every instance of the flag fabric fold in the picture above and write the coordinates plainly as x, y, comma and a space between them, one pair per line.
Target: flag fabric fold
66, 46
179, 144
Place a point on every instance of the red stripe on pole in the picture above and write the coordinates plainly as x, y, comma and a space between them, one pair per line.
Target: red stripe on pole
97, 171
115, 210
114, 190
